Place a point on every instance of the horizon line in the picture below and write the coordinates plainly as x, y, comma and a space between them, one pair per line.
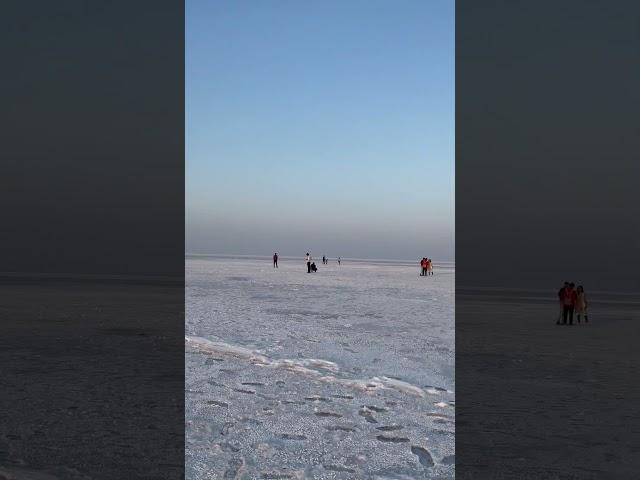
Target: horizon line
234, 255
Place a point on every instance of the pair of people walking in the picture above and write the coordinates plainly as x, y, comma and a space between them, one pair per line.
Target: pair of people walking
572, 301
426, 267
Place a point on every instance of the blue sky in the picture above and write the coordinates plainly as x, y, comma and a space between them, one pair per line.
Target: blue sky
324, 126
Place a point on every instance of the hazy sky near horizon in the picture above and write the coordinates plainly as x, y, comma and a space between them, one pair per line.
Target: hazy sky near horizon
325, 127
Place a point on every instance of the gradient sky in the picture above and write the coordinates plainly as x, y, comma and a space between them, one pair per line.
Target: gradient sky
320, 126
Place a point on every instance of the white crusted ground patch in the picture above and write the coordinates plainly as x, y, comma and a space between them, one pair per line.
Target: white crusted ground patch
334, 375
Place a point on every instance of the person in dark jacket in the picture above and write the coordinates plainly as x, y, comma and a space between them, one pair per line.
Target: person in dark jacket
275, 260
561, 300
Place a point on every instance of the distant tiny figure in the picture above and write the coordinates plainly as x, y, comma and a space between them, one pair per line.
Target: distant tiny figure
581, 304
561, 301
338, 260
313, 267
423, 267
275, 260
324, 259
429, 267
308, 260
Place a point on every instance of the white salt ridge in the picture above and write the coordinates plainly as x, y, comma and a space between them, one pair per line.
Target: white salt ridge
309, 362
407, 387
302, 366
205, 345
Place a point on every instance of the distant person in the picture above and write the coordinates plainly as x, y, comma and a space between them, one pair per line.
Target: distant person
275, 260
561, 301
308, 260
429, 266
313, 267
423, 267
569, 303
581, 304
324, 259
338, 260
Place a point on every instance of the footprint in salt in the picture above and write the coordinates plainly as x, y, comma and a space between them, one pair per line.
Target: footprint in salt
368, 415
424, 457
376, 408
390, 439
327, 414
443, 421
316, 398
340, 428
390, 428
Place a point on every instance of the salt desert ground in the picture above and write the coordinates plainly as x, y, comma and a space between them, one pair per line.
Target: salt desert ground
343, 373
511, 395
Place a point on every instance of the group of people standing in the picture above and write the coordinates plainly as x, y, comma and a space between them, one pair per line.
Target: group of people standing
311, 266
572, 301
426, 267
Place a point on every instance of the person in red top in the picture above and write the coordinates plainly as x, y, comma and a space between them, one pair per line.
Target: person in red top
569, 298
423, 267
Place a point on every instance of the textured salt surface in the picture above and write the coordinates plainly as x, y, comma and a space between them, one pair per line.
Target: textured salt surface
346, 373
